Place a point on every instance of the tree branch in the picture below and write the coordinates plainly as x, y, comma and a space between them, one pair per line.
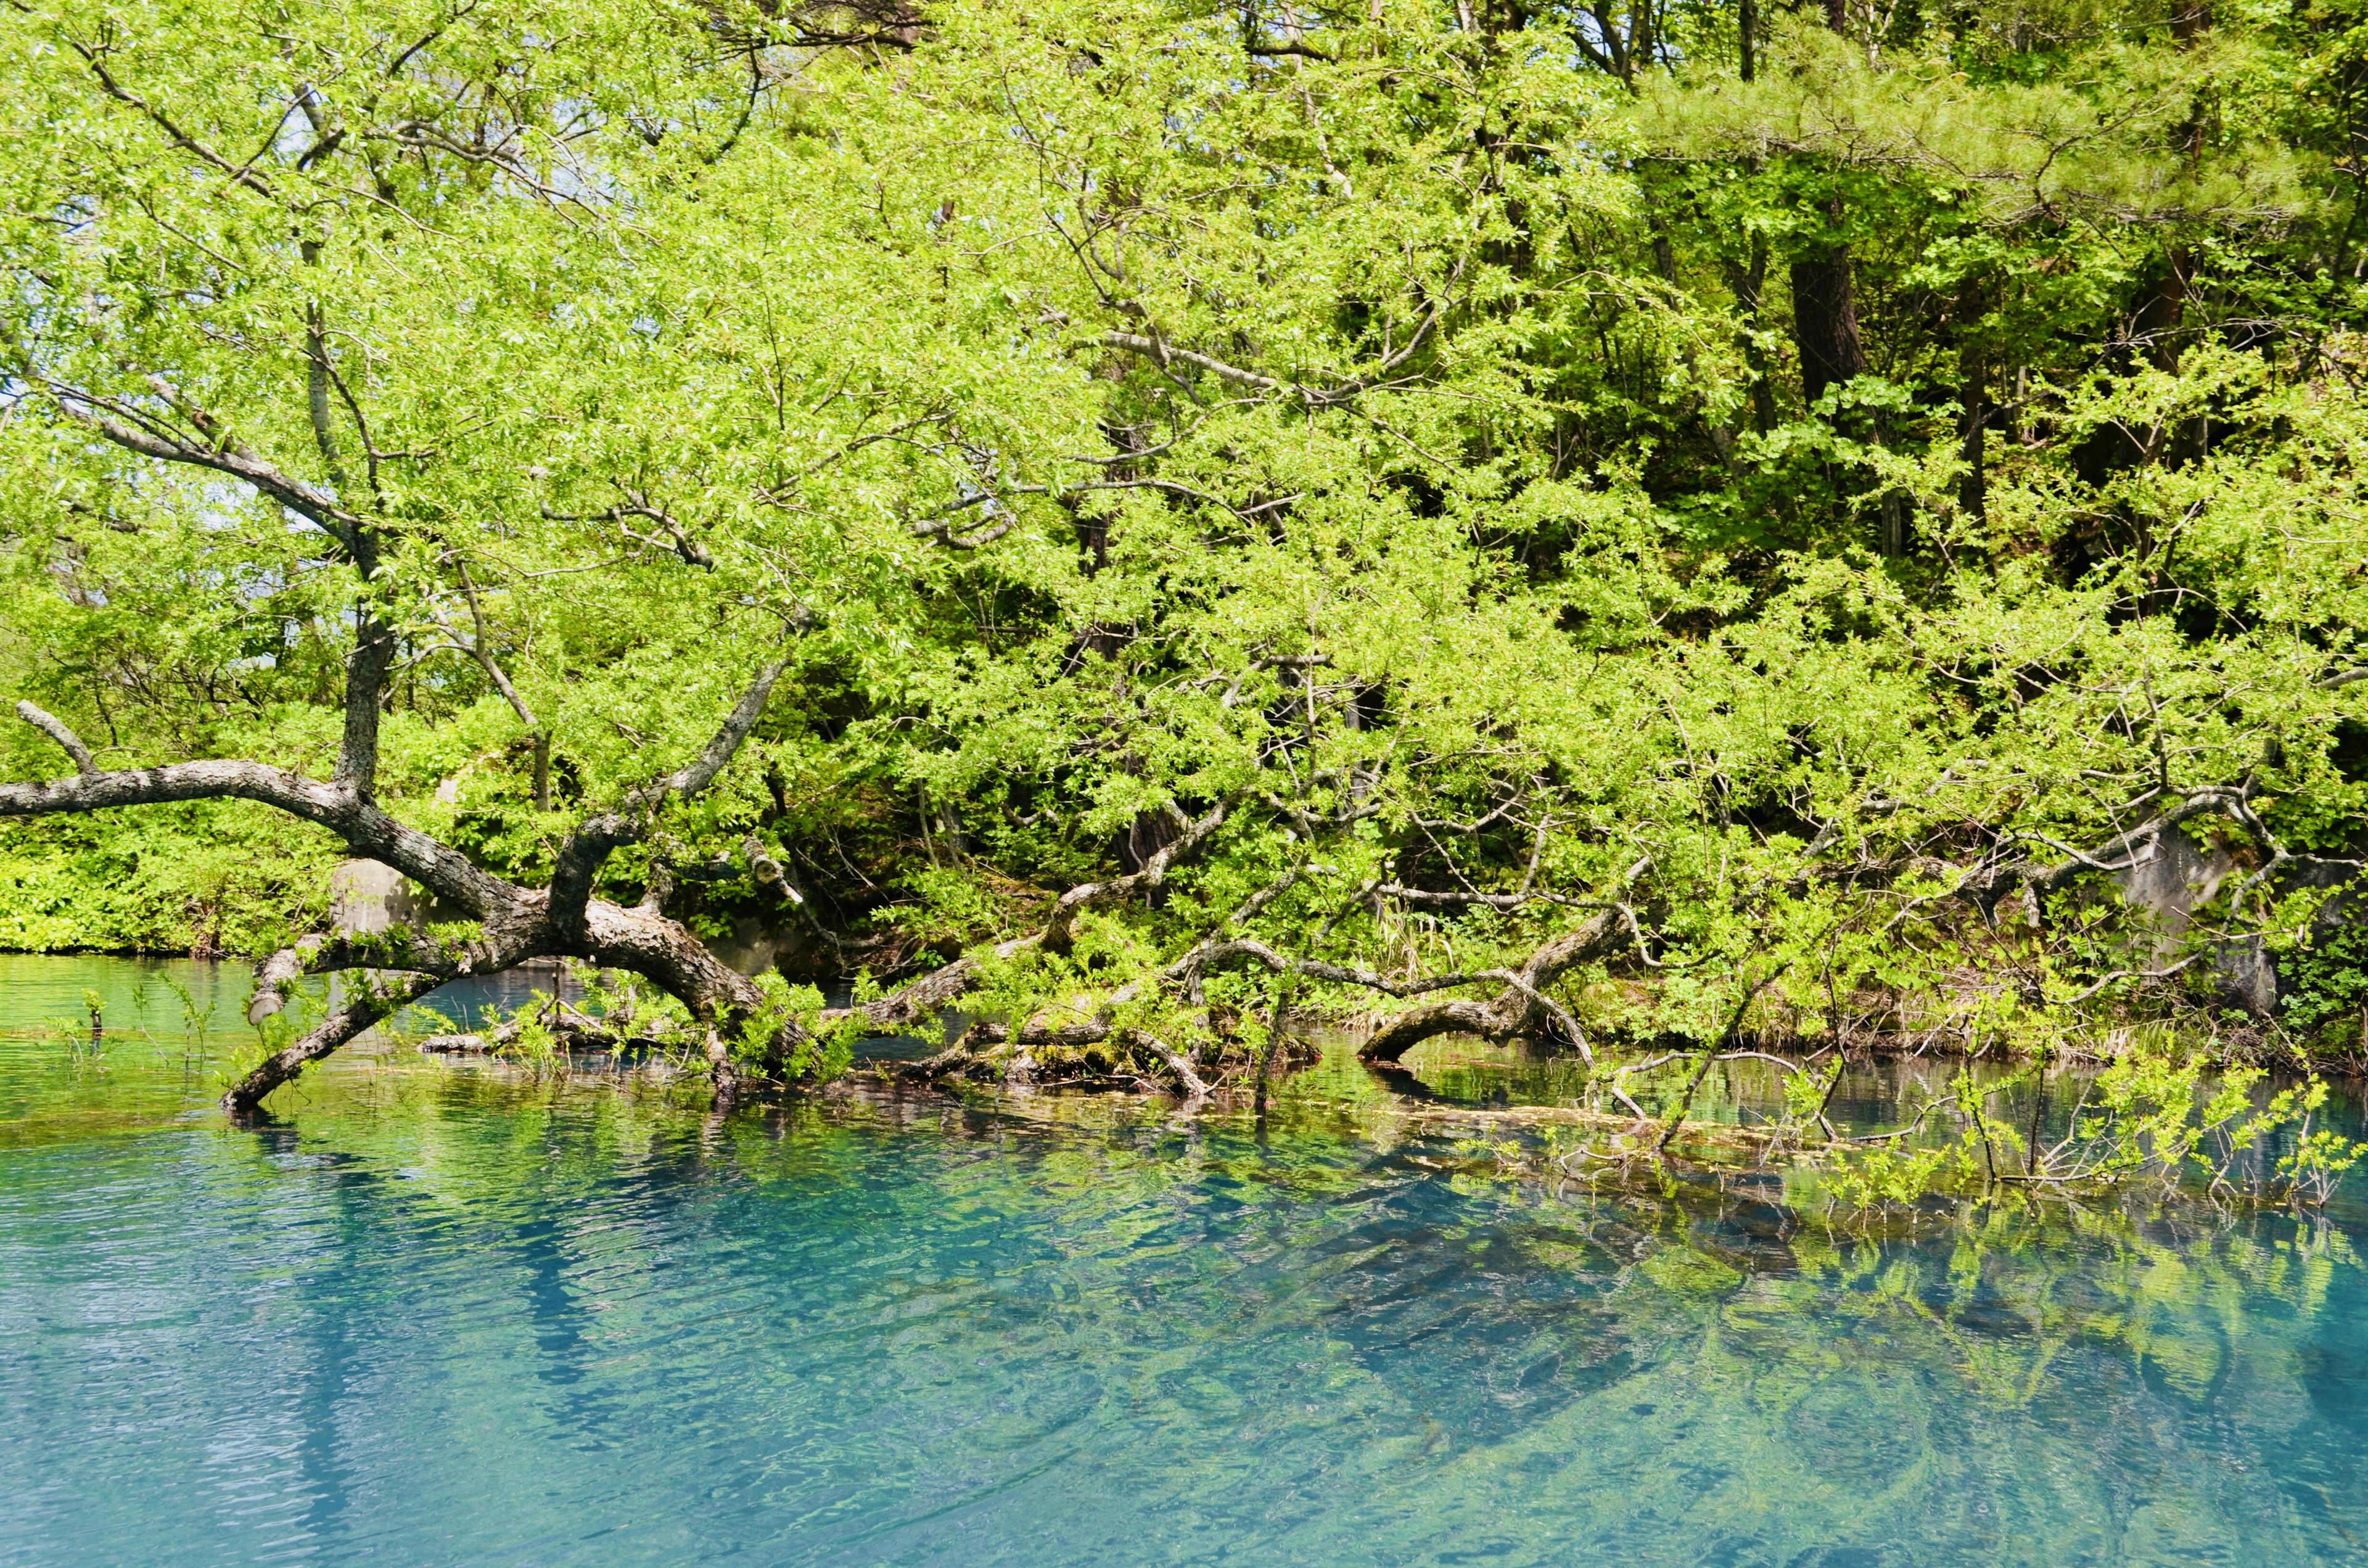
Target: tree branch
1155, 870
374, 1002
589, 847
105, 416
399, 949
478, 648
1514, 1011
368, 831
97, 59
1163, 353
55, 728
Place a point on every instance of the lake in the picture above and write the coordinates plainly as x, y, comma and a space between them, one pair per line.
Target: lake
448, 1313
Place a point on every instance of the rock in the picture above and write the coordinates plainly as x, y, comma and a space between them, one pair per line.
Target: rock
367, 897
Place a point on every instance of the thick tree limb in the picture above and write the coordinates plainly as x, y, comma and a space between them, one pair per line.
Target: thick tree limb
374, 1002
1075, 1035
368, 831
399, 949
925, 998
1516, 1010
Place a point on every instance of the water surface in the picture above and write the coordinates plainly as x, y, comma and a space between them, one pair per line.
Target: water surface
441, 1313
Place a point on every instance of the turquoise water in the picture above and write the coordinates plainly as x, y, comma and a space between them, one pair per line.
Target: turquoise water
440, 1315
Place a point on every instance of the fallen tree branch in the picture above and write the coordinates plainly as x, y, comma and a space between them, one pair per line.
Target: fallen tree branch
375, 1003
1177, 1063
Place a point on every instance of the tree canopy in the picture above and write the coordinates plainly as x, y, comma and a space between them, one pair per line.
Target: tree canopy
1549, 521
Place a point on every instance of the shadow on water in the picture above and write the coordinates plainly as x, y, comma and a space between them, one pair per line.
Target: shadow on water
455, 1315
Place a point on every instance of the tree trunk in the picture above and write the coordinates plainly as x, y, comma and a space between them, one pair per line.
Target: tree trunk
1825, 314
1974, 393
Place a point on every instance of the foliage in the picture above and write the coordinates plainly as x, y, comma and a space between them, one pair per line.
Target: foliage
1390, 432
2154, 1122
2324, 994
794, 1010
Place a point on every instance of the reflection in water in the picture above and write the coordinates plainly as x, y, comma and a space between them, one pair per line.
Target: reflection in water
439, 1315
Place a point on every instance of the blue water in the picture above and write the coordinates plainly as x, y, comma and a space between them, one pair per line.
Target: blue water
441, 1314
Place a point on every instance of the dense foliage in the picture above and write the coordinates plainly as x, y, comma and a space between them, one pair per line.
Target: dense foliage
1837, 490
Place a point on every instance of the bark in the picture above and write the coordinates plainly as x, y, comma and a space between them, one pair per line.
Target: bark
2162, 310
1973, 394
52, 726
368, 831
1825, 314
515, 923
377, 1001
1521, 1008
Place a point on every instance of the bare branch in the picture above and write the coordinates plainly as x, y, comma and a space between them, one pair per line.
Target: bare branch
480, 649
638, 504
589, 847
55, 728
1209, 955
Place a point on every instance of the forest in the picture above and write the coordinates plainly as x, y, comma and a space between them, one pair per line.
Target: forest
1632, 527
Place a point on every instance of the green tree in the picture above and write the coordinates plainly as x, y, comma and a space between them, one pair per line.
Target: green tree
1180, 511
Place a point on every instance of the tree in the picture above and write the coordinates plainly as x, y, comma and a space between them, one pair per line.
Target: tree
1156, 517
